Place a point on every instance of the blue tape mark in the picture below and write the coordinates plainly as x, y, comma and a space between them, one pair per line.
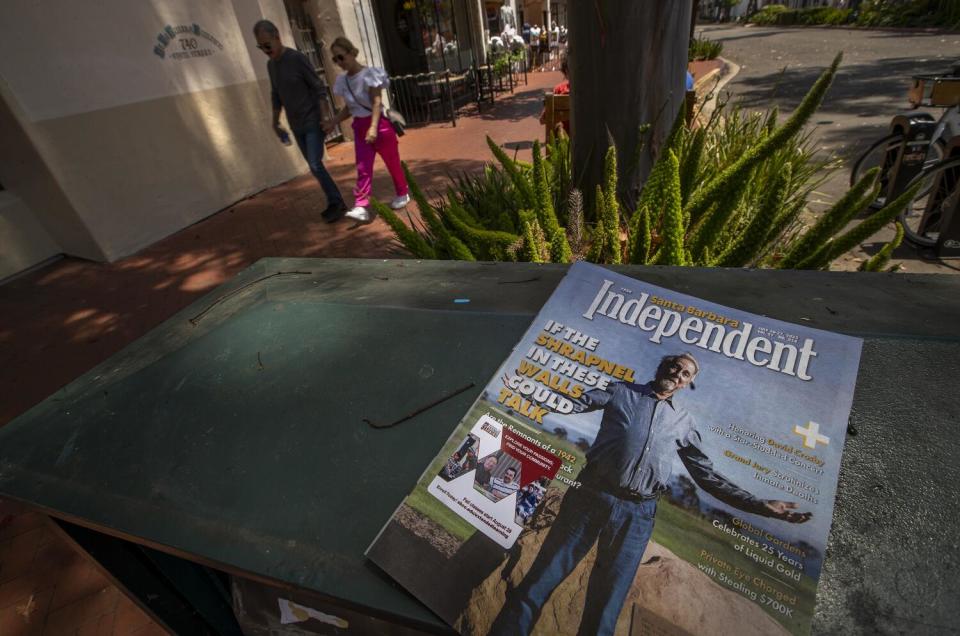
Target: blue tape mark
460, 301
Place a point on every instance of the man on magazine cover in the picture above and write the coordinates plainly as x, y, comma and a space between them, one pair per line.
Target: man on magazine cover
628, 466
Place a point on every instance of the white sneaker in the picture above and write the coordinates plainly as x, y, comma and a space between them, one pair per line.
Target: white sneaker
359, 214
400, 202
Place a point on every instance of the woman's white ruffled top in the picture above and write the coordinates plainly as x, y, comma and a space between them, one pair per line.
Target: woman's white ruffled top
360, 83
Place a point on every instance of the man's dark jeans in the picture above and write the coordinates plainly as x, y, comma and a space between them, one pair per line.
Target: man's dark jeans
310, 140
621, 530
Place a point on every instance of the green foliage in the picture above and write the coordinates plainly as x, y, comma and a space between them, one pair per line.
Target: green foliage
602, 245
610, 177
860, 232
410, 239
610, 221
704, 49
739, 171
560, 250
488, 198
690, 168
638, 245
769, 14
520, 182
544, 200
672, 248
446, 245
779, 15
748, 246
611, 218
650, 196
783, 232
535, 249
561, 174
708, 232
881, 258
944, 14
839, 214
546, 216
728, 192
489, 245
729, 134
576, 232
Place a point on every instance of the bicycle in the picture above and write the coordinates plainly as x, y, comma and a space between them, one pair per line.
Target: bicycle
919, 147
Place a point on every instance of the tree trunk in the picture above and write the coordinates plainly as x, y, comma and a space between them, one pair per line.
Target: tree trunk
628, 65
693, 17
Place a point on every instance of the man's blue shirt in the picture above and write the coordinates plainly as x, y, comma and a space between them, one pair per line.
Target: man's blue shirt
633, 451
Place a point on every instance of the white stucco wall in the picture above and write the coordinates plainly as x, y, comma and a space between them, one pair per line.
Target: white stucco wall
24, 241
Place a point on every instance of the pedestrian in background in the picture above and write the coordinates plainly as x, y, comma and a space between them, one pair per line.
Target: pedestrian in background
361, 87
295, 88
563, 88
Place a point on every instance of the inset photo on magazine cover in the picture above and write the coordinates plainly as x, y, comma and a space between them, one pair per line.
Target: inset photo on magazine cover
463, 460
498, 476
529, 499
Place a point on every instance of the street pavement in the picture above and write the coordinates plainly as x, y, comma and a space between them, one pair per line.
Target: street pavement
778, 66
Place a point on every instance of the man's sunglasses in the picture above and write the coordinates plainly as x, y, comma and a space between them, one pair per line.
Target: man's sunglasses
339, 57
264, 47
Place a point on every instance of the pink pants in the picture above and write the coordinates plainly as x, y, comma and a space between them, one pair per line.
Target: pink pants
386, 144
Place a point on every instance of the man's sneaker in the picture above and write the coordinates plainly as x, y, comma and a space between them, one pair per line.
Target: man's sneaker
360, 214
334, 212
400, 202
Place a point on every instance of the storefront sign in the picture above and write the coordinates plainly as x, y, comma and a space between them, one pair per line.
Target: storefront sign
185, 41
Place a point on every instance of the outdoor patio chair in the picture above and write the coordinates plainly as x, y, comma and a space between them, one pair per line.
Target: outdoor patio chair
556, 112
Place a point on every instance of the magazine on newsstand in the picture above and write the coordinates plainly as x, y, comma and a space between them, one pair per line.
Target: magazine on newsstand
643, 462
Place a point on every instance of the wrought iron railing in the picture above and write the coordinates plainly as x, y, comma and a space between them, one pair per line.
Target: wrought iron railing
433, 96
436, 96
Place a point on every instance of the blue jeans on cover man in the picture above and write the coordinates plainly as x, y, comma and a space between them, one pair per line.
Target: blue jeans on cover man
620, 527
310, 140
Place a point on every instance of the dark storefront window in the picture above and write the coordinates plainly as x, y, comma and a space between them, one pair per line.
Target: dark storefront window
492, 10
438, 31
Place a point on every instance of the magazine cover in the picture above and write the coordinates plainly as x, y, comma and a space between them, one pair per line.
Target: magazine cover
644, 462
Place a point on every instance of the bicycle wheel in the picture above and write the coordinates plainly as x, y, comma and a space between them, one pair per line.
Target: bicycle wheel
935, 153
883, 154
878, 154
921, 218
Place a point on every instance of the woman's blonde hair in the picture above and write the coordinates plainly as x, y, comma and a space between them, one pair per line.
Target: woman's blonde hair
346, 45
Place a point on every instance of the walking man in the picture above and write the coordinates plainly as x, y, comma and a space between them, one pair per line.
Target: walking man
628, 466
295, 87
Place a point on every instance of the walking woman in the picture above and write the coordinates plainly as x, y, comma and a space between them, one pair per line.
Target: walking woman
361, 88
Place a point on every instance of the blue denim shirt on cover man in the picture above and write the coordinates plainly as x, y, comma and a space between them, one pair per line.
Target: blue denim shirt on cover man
631, 455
